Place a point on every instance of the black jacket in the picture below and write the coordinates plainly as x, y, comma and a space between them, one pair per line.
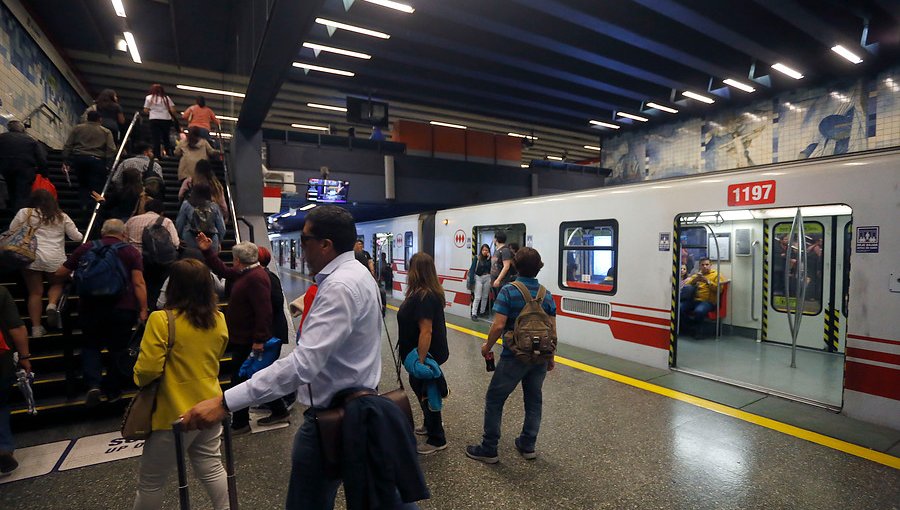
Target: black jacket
279, 321
19, 151
379, 455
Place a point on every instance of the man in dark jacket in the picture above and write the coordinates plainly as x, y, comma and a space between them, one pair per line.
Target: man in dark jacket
249, 312
279, 406
21, 156
88, 150
14, 337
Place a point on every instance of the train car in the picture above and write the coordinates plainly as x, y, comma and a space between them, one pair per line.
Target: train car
398, 239
795, 318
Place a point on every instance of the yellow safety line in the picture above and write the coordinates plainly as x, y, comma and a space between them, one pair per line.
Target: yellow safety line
784, 428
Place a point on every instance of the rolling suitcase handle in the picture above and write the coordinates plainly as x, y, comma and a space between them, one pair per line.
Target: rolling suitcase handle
183, 495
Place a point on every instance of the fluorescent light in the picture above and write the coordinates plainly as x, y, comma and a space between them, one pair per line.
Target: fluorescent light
787, 70
456, 126
523, 165
307, 126
120, 9
592, 148
210, 91
310, 67
604, 124
517, 135
632, 117
331, 49
223, 117
698, 97
844, 52
223, 135
132, 47
306, 207
397, 6
326, 107
736, 215
121, 44
555, 158
351, 28
738, 85
661, 107
788, 212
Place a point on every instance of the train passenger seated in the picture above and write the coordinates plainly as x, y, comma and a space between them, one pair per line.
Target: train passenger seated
88, 149
15, 339
106, 320
706, 282
21, 157
510, 370
191, 370
199, 214
249, 312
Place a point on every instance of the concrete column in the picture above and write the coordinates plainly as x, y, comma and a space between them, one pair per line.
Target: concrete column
390, 192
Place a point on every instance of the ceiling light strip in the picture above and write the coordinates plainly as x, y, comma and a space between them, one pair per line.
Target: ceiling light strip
781, 68
339, 51
698, 97
351, 28
210, 91
445, 124
223, 117
326, 107
307, 126
738, 85
120, 9
519, 135
132, 47
555, 158
397, 6
661, 108
329, 70
847, 54
307, 207
632, 117
592, 148
605, 124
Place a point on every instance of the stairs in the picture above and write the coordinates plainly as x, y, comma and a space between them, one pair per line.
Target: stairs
58, 387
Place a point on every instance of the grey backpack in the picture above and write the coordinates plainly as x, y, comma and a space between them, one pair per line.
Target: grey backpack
533, 339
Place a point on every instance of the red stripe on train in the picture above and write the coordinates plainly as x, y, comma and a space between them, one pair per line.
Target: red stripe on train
872, 379
883, 357
634, 333
641, 318
874, 339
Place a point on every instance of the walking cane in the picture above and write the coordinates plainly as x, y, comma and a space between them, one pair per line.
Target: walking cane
183, 497
229, 464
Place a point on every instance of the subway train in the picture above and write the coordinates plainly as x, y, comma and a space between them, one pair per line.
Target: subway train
809, 307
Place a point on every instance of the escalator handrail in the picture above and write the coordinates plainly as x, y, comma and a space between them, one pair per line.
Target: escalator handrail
87, 232
234, 218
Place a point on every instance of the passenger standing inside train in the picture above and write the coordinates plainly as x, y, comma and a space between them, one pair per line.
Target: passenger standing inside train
162, 112
480, 281
706, 281
512, 274
421, 327
15, 339
189, 373
202, 117
502, 261
510, 371
88, 149
21, 157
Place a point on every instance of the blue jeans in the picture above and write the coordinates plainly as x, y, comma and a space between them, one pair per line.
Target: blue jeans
309, 488
507, 376
695, 312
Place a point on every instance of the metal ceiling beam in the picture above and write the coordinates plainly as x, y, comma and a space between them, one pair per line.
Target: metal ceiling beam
289, 23
812, 25
174, 32
696, 21
575, 16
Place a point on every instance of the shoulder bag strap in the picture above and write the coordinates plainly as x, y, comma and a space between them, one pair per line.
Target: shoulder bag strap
170, 316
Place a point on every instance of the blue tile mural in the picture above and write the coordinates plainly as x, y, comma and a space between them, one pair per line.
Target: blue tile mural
843, 118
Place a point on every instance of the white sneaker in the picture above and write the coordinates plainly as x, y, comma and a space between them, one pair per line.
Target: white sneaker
420, 431
38, 331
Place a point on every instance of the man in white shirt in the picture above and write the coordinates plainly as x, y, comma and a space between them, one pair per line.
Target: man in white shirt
338, 348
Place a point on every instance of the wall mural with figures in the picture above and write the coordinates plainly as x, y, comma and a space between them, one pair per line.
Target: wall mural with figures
843, 118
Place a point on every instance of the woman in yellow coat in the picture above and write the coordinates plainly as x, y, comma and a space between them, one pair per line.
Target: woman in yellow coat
189, 374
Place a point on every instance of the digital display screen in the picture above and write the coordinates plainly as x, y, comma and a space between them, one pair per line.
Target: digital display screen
367, 112
327, 191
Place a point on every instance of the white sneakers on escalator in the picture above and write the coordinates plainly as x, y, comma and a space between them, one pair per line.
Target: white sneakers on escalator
38, 331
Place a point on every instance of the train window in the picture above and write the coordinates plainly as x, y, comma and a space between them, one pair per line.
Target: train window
588, 254
815, 258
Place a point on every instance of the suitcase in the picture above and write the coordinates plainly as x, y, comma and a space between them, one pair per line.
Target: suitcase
184, 498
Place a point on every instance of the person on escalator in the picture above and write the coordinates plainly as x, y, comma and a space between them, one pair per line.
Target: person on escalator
199, 214
203, 174
192, 149
21, 157
121, 201
88, 150
13, 337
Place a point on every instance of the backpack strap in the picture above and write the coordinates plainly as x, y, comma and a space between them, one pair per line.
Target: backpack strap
524, 291
542, 292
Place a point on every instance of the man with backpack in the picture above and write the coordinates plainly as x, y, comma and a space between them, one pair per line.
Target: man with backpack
109, 276
157, 239
144, 162
527, 321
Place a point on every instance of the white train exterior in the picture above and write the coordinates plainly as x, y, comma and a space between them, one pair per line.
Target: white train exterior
636, 320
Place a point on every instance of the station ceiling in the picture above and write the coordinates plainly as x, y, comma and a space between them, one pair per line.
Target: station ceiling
536, 67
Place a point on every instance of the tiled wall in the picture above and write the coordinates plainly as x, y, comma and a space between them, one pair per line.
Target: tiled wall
27, 79
843, 118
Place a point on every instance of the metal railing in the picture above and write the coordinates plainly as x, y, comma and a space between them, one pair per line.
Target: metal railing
234, 218
134, 119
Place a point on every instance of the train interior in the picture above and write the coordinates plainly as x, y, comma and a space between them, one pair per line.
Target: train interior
769, 260
515, 233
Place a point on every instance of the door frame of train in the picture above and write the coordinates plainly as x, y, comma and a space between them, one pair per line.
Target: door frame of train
426, 233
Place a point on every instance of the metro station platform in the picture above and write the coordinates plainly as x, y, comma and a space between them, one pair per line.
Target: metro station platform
614, 435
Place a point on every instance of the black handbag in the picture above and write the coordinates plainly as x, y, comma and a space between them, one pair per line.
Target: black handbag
329, 422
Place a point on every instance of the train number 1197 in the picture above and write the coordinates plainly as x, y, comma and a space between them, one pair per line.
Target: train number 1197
751, 193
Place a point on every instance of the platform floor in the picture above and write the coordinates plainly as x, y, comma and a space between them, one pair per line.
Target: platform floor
605, 442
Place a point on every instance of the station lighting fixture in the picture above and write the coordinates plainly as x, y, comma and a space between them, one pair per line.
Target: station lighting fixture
226, 136
120, 9
592, 148
339, 51
518, 135
661, 108
351, 28
307, 126
632, 117
306, 207
455, 126
329, 70
738, 85
132, 47
781, 68
555, 158
397, 6
121, 44
210, 91
524, 165
605, 124
326, 107
698, 97
844, 52
223, 117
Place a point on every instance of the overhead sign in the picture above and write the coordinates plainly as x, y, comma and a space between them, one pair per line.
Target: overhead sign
751, 193
459, 239
867, 239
